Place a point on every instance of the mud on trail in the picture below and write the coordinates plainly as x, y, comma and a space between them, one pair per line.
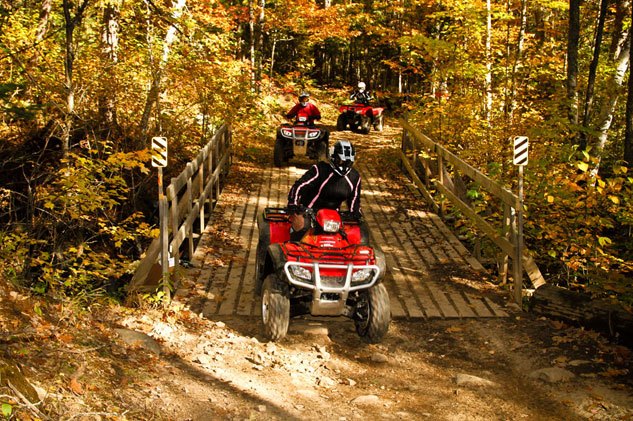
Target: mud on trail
144, 364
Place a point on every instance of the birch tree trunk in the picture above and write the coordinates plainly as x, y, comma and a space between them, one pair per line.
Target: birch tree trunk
153, 94
518, 62
488, 79
593, 67
621, 63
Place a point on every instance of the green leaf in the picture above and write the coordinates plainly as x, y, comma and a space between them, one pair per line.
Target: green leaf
583, 166
604, 241
38, 310
7, 410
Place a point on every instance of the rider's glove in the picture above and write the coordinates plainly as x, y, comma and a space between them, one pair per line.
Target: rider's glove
294, 209
357, 215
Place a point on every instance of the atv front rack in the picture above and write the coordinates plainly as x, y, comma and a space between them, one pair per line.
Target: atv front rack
329, 293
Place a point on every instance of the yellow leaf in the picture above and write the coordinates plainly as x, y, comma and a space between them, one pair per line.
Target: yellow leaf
615, 199
583, 166
550, 198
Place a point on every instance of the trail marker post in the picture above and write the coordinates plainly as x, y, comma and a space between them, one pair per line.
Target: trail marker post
159, 160
519, 158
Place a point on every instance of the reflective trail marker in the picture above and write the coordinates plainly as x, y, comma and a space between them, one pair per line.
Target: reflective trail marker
520, 156
159, 152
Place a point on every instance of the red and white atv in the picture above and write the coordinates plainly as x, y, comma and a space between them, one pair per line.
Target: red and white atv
332, 271
300, 139
359, 118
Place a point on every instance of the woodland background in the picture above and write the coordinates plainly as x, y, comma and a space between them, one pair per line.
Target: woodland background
84, 84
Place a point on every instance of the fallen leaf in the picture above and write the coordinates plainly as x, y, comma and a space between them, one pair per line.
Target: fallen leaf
75, 386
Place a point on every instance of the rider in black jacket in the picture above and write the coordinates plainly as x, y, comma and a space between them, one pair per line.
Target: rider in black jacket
361, 96
326, 185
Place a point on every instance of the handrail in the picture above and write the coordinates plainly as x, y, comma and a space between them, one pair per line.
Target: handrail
437, 177
198, 184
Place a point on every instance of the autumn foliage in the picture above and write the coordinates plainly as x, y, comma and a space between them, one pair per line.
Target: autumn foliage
85, 85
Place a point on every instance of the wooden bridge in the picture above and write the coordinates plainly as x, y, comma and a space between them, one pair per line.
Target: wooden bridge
430, 274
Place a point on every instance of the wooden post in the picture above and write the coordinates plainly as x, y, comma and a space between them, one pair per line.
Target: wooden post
503, 257
164, 235
518, 271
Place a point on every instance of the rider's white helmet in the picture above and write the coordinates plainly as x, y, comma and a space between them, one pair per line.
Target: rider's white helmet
361, 86
342, 157
304, 97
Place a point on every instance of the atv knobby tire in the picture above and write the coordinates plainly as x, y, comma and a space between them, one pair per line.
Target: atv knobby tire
275, 309
322, 152
278, 154
372, 320
365, 125
378, 124
341, 122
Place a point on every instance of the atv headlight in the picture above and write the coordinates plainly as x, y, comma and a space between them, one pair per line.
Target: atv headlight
331, 226
286, 133
301, 273
362, 275
312, 135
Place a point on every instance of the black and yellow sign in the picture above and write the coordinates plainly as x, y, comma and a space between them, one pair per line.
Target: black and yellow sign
520, 156
159, 152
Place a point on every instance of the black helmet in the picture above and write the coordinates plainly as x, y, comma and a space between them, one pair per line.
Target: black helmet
342, 156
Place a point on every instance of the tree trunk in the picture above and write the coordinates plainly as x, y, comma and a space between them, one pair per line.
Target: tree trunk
110, 47
260, 45
573, 38
71, 23
153, 94
42, 27
593, 67
628, 135
612, 93
251, 29
581, 310
488, 78
518, 61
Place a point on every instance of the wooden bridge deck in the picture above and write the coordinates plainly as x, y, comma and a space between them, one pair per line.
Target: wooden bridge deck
417, 246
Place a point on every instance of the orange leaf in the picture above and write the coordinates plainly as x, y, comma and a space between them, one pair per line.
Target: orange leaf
76, 387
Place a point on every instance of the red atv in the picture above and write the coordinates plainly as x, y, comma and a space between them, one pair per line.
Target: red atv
359, 118
300, 139
332, 271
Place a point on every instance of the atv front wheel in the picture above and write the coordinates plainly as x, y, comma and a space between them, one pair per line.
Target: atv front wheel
275, 309
365, 125
322, 152
378, 123
373, 314
278, 154
341, 122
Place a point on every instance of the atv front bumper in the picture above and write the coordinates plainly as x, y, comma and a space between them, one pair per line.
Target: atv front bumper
330, 293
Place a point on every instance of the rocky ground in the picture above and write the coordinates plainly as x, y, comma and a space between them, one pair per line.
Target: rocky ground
115, 363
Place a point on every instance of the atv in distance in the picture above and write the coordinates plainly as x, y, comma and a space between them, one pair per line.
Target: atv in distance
300, 139
360, 118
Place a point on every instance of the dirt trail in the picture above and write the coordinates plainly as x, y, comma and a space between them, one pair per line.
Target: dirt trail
180, 365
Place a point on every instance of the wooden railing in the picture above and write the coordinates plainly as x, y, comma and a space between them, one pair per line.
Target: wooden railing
436, 171
197, 187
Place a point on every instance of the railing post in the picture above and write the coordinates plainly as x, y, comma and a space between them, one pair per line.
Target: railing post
175, 221
506, 232
189, 197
